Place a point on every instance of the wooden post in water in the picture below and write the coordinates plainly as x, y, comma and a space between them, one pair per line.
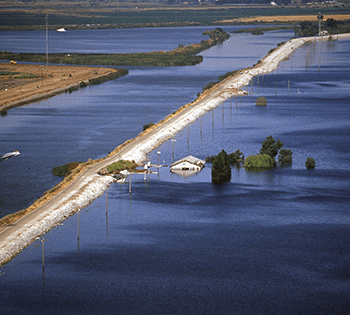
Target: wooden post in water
223, 113
213, 120
188, 138
107, 200
130, 185
201, 129
47, 47
43, 253
107, 213
78, 234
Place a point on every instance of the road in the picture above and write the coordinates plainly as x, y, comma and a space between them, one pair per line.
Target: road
12, 238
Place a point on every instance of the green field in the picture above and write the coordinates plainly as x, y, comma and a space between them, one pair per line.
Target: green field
23, 19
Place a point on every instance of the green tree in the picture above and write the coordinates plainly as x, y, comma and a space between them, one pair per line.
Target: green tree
331, 23
221, 169
310, 163
285, 156
260, 161
235, 156
270, 147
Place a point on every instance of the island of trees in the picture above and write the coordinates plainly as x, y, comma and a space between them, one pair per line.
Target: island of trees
265, 160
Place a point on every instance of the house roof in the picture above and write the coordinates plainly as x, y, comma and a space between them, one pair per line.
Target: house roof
190, 159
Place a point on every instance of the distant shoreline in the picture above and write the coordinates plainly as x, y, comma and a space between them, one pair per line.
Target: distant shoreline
87, 186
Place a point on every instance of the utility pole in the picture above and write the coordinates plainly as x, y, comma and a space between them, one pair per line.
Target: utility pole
130, 185
320, 18
173, 140
47, 47
43, 253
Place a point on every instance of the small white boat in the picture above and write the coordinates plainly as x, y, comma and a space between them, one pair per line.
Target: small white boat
6, 156
61, 30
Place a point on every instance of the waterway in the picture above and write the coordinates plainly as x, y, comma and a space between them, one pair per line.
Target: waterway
266, 243
93, 121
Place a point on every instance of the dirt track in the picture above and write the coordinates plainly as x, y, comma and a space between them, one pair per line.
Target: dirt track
45, 82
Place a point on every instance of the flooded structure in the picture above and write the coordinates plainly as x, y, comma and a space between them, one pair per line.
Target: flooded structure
188, 163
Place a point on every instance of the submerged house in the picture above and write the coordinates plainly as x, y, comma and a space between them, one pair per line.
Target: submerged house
188, 163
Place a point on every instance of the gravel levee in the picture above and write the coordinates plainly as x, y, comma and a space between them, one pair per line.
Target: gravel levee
88, 185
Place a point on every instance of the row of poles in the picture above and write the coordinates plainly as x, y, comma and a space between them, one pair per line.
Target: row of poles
308, 61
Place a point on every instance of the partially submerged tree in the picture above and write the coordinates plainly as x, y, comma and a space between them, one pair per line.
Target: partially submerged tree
260, 161
270, 147
261, 101
235, 157
310, 163
221, 169
285, 156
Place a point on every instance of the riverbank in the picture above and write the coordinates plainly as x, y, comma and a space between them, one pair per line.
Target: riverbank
180, 56
78, 193
21, 84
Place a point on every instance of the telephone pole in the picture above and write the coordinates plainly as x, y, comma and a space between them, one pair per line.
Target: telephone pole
47, 47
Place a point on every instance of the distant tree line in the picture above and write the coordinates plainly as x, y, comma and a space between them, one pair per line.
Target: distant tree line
332, 26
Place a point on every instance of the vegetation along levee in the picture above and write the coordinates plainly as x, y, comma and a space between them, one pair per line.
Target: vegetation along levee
181, 56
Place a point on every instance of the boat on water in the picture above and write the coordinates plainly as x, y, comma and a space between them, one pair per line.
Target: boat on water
61, 30
6, 156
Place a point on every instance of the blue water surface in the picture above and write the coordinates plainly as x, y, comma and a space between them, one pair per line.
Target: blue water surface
271, 242
91, 122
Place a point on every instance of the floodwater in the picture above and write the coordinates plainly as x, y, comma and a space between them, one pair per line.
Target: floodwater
91, 122
272, 242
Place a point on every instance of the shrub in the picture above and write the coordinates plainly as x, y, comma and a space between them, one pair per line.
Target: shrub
260, 161
310, 163
285, 156
261, 101
121, 165
146, 126
257, 32
65, 169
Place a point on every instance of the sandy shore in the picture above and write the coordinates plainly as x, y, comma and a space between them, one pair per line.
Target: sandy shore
88, 185
45, 81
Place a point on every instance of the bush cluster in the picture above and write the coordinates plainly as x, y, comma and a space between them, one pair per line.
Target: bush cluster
65, 169
121, 165
146, 126
260, 161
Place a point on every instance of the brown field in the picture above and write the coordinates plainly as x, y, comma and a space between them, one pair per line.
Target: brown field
288, 18
45, 80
